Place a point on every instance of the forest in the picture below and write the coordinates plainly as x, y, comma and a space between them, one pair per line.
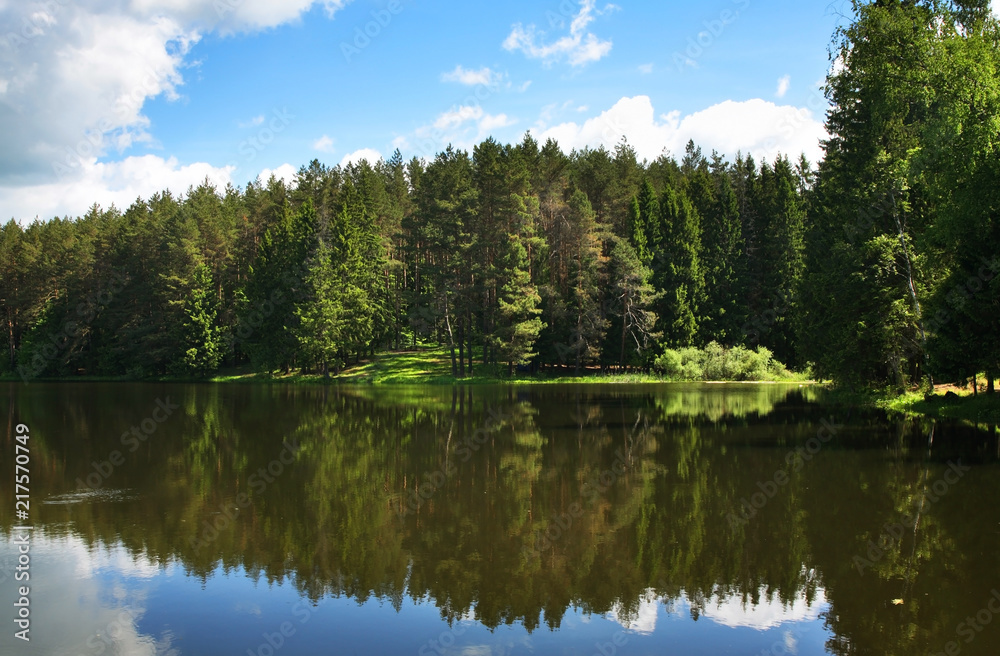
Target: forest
877, 266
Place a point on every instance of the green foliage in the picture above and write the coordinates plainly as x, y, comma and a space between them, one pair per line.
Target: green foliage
717, 363
200, 333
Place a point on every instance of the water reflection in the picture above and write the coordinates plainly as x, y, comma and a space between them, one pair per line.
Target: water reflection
496, 520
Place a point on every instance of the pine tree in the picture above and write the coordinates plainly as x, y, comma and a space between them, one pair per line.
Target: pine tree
583, 245
201, 335
677, 268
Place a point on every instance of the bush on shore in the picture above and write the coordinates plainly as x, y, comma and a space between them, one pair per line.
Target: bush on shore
715, 362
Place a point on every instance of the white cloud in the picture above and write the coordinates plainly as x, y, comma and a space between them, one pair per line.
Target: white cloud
285, 172
579, 47
524, 87
755, 127
483, 76
646, 69
76, 84
783, 84
489, 122
118, 183
324, 144
463, 126
230, 16
455, 117
769, 613
643, 620
995, 6
252, 123
370, 154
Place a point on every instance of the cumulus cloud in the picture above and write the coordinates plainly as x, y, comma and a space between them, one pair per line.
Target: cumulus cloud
285, 172
783, 84
463, 127
252, 123
370, 154
76, 77
579, 47
112, 183
767, 614
324, 144
483, 76
757, 127
230, 16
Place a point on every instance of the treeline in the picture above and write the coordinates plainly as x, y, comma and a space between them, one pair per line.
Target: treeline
515, 255
879, 269
903, 251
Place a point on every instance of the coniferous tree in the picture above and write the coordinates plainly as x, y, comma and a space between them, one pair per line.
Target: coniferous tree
677, 268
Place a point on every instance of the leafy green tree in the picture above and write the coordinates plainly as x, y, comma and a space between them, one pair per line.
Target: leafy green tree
200, 332
962, 175
861, 319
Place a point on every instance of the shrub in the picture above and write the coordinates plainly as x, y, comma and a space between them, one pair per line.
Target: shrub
716, 362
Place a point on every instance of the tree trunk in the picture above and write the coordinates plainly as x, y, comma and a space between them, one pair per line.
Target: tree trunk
621, 359
461, 348
468, 320
913, 291
451, 337
989, 384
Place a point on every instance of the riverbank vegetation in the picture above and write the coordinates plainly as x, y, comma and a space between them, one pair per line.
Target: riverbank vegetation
877, 268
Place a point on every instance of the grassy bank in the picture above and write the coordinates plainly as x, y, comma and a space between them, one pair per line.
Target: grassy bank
431, 365
946, 403
426, 365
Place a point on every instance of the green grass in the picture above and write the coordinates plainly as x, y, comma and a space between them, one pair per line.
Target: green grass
431, 365
981, 409
422, 365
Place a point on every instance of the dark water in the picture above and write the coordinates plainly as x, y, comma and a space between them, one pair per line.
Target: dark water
673, 519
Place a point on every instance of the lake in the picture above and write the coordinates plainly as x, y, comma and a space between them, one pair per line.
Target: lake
551, 519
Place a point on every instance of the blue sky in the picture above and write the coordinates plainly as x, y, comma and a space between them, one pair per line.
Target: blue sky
107, 100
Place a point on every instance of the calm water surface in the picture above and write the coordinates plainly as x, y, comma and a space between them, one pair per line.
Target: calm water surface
670, 519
